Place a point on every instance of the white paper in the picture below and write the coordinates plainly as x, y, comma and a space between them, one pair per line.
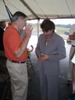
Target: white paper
73, 59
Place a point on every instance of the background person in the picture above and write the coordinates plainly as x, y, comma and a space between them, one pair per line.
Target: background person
49, 50
15, 48
2, 29
73, 79
72, 51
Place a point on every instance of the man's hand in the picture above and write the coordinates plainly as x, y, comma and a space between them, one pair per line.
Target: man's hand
28, 31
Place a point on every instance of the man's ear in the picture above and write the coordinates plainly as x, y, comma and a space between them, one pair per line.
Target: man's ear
52, 30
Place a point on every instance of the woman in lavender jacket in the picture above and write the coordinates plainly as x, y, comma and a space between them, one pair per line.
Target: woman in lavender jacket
50, 50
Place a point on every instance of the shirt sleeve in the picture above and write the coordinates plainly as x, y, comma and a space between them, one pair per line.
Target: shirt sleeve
61, 52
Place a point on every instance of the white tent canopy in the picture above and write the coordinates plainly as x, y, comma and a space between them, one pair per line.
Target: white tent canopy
37, 9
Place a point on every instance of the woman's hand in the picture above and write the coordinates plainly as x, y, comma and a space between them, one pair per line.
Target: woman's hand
43, 57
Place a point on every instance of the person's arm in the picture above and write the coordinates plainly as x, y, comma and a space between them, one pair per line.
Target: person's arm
23, 45
73, 84
61, 52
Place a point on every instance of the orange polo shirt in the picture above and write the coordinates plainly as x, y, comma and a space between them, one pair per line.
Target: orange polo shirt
12, 40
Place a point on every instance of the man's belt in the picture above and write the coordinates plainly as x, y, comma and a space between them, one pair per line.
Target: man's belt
17, 61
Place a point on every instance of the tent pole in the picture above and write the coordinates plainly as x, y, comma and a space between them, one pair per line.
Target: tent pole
28, 7
38, 28
8, 11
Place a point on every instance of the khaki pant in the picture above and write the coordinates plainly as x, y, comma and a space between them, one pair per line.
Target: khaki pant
19, 79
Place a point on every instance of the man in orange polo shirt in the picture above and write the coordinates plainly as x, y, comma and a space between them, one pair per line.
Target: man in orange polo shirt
15, 48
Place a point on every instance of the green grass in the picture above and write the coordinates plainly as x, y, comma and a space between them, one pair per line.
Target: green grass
61, 30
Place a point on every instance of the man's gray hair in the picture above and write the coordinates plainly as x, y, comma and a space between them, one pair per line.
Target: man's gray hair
17, 15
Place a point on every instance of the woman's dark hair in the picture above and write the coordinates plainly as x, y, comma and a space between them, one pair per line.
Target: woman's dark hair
47, 24
17, 15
